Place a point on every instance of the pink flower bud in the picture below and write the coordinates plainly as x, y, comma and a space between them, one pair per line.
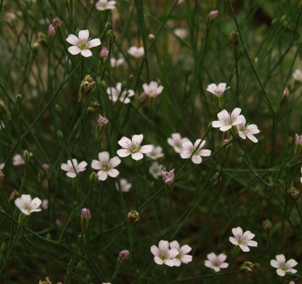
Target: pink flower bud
168, 177
46, 167
213, 14
123, 255
56, 22
102, 120
51, 30
104, 52
298, 139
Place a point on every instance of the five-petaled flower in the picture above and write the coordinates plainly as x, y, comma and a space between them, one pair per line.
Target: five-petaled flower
282, 266
227, 120
106, 166
247, 131
176, 142
217, 90
155, 169
156, 153
72, 167
243, 240
28, 206
194, 151
136, 51
105, 5
133, 147
216, 262
117, 94
164, 255
82, 43
152, 90
182, 256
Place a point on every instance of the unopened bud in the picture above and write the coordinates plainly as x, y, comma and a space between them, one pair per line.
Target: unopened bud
293, 193
213, 14
110, 36
57, 24
133, 216
87, 85
51, 30
19, 98
58, 109
267, 226
93, 179
247, 267
123, 255
107, 26
85, 217
234, 39
151, 36
15, 194
104, 53
35, 48
4, 109
60, 134
26, 157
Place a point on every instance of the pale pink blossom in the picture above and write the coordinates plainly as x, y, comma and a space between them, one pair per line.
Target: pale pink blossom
247, 131
243, 240
104, 52
182, 256
73, 168
133, 147
194, 151
217, 90
213, 14
18, 159
156, 153
26, 205
136, 51
168, 177
176, 142
102, 120
117, 94
2, 166
51, 30
155, 169
164, 255
82, 43
44, 203
124, 185
181, 33
282, 266
216, 262
227, 120
116, 62
103, 5
105, 166
152, 90
297, 75
298, 139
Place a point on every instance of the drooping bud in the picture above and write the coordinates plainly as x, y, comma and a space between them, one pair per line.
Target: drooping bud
133, 216
87, 85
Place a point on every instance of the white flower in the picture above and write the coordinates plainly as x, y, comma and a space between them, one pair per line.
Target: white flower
133, 147
116, 62
156, 153
282, 266
2, 166
72, 168
115, 94
182, 33
217, 90
164, 255
105, 5
183, 251
82, 43
26, 205
196, 151
298, 75
226, 120
243, 240
18, 159
248, 131
106, 166
176, 142
124, 185
156, 169
216, 262
136, 51
153, 89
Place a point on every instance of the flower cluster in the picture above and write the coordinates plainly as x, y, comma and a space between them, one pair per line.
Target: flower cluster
227, 121
171, 254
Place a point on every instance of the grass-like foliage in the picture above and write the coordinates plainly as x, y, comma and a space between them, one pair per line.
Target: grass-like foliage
150, 141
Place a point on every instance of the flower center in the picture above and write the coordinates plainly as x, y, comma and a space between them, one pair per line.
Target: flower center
162, 256
134, 149
83, 45
105, 167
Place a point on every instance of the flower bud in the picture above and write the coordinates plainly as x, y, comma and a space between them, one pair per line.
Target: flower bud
57, 24
293, 193
93, 178
247, 266
87, 85
168, 177
4, 109
234, 39
26, 157
46, 281
107, 26
58, 109
151, 37
298, 145
104, 53
15, 194
267, 226
133, 216
123, 255
102, 121
110, 36
213, 14
85, 217
51, 30
60, 134
35, 48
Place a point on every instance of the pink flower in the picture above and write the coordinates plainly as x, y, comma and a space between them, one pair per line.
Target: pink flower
213, 14
73, 168
216, 262
194, 151
117, 94
168, 177
164, 255
136, 51
102, 5
152, 90
243, 240
116, 62
28, 206
217, 90
124, 185
282, 266
248, 131
104, 52
227, 120
182, 256
82, 43
176, 142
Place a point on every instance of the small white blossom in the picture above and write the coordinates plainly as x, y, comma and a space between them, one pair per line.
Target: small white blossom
248, 131
105, 5
156, 153
216, 262
133, 147
82, 43
282, 266
164, 255
28, 206
227, 120
152, 90
105, 166
182, 256
124, 185
243, 240
155, 169
297, 75
18, 159
136, 51
117, 94
2, 166
181, 33
176, 142
217, 90
196, 151
116, 62
72, 168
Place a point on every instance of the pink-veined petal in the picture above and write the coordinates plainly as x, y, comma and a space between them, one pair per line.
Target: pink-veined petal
74, 50
86, 53
123, 152
94, 42
72, 39
83, 35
